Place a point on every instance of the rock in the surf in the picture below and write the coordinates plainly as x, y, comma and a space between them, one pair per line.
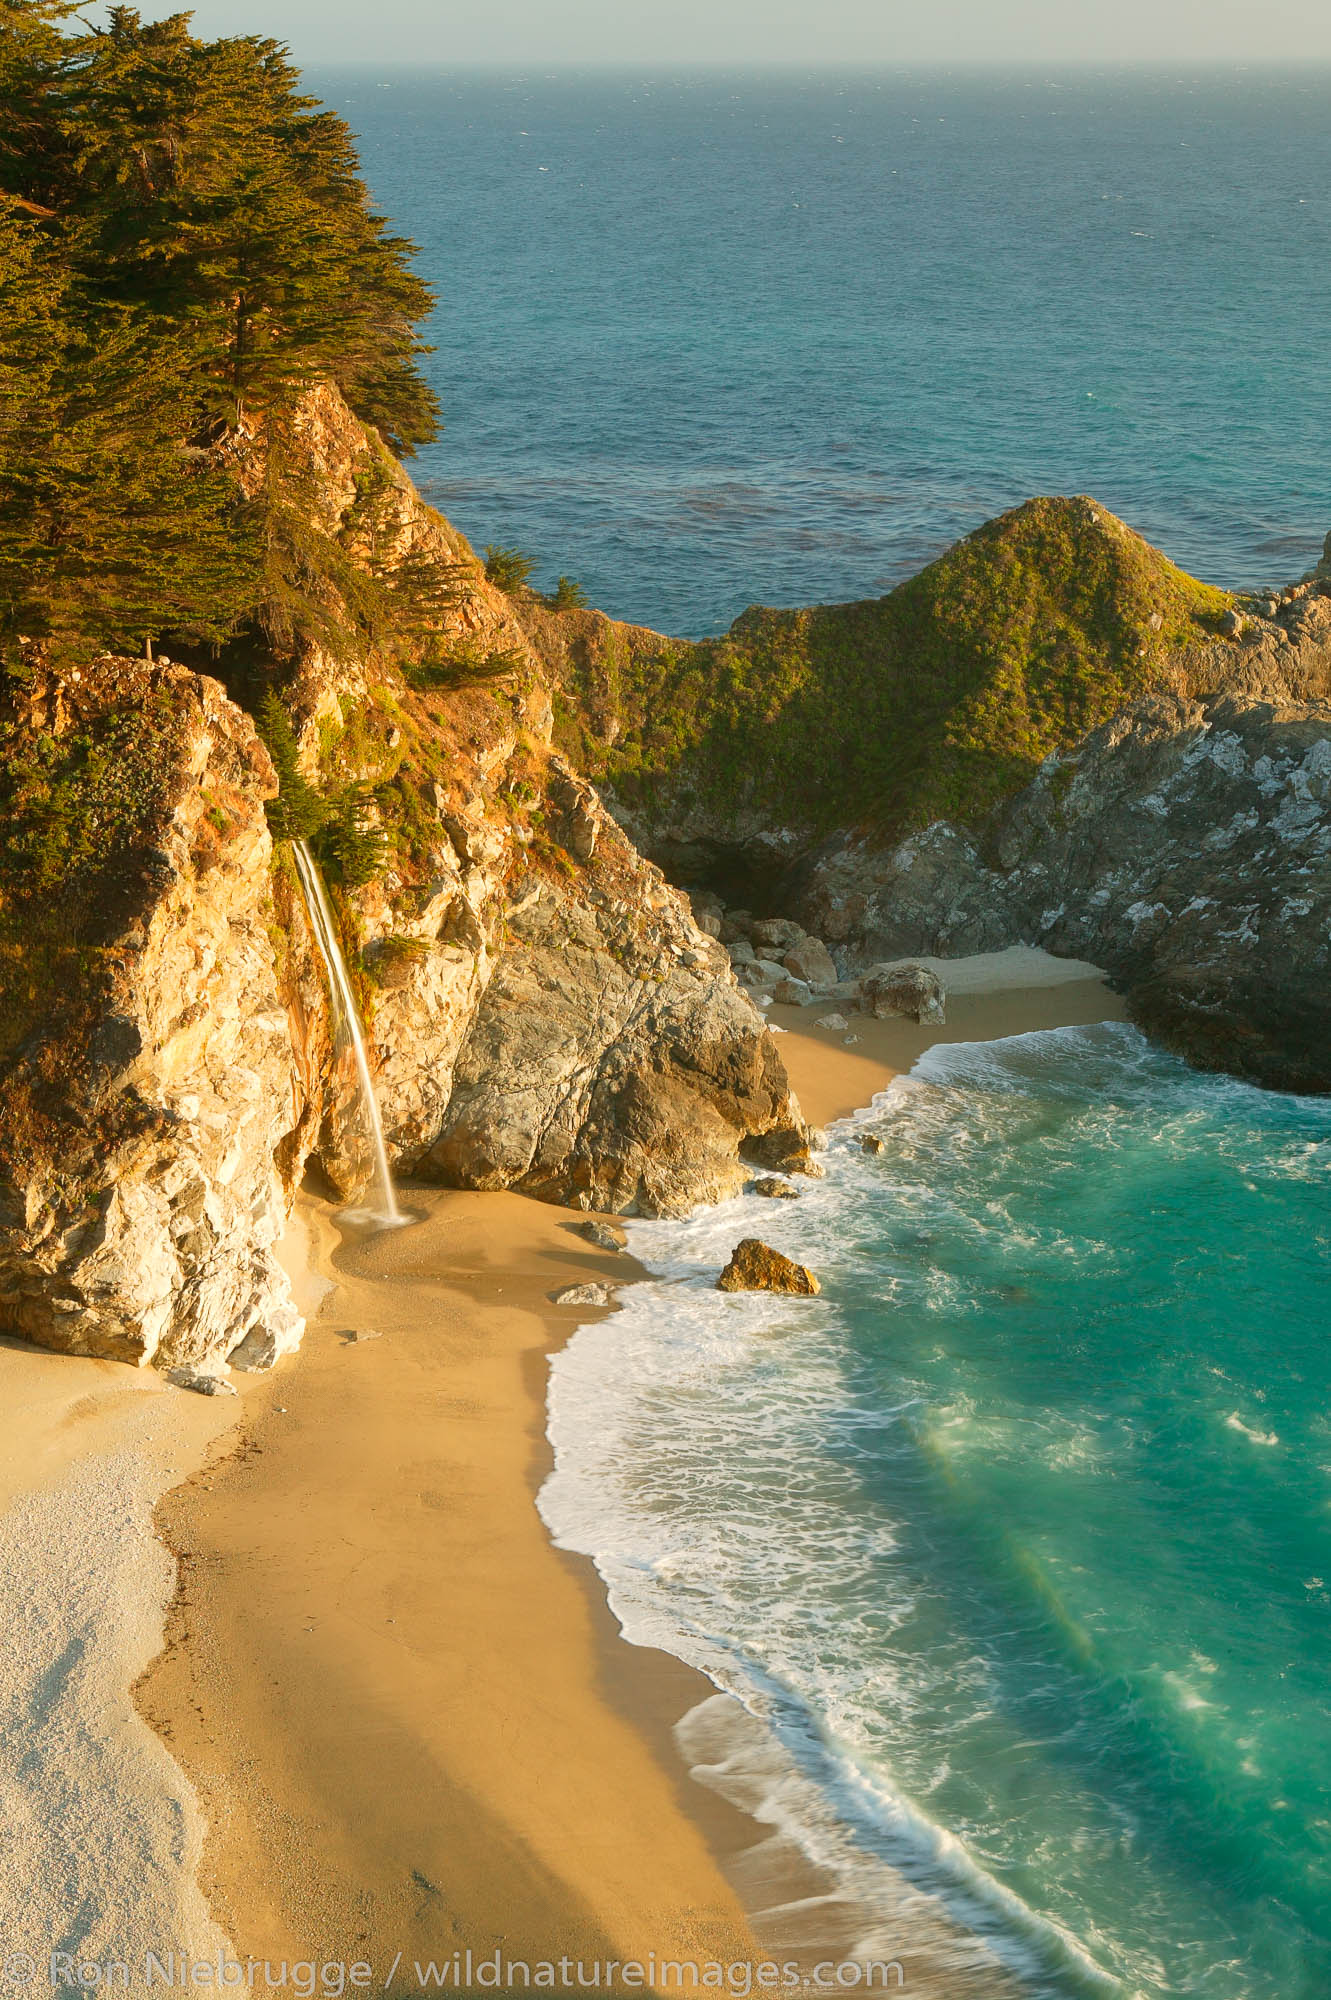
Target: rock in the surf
605, 1235
755, 1267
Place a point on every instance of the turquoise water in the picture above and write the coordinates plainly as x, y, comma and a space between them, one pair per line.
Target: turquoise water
704, 341
1020, 1535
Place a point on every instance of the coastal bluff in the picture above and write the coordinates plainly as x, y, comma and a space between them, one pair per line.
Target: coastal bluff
541, 1010
1051, 737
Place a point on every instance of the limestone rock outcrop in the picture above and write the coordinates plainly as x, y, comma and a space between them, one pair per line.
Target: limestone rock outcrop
1187, 848
613, 1062
903, 988
541, 1009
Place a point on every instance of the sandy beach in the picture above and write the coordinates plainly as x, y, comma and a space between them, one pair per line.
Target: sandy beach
103, 1832
998, 993
410, 1722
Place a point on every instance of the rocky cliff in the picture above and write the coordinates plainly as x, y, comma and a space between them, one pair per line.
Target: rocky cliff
147, 1094
1185, 846
541, 1010
730, 759
1052, 736
1131, 769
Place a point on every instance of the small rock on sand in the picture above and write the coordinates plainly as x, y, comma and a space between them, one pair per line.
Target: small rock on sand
776, 1190
834, 1021
605, 1235
755, 1267
581, 1295
202, 1383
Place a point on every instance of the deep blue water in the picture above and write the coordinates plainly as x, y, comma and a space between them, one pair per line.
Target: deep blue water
708, 340
1020, 1534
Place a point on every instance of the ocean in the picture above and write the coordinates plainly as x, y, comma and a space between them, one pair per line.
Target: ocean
709, 340
1016, 1543
1018, 1538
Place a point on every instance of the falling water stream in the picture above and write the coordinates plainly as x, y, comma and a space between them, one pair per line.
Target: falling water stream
346, 1021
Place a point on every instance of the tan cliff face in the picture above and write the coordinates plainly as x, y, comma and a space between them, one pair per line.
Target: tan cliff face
541, 1010
144, 1114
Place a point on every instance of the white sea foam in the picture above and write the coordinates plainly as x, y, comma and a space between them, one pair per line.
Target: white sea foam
669, 1422
1234, 1422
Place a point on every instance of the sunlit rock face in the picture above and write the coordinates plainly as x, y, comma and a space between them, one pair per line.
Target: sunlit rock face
144, 1112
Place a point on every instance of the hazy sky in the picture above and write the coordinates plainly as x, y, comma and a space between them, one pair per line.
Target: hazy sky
517, 33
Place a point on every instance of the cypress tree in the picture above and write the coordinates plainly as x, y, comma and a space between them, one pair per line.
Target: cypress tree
185, 245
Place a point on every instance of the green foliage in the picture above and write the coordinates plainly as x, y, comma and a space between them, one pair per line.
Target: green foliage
392, 959
184, 246
73, 803
341, 824
568, 595
935, 701
508, 569
298, 812
350, 846
465, 663
111, 529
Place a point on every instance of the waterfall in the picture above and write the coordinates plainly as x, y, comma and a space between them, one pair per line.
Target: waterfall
346, 1021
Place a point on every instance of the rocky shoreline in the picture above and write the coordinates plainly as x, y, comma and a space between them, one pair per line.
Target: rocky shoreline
544, 1010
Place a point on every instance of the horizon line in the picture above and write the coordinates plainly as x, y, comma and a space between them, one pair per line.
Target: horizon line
1159, 65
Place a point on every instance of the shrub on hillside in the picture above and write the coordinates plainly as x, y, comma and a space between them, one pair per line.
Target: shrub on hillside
508, 569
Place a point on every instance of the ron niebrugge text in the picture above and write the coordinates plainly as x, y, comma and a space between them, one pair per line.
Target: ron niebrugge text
464, 1972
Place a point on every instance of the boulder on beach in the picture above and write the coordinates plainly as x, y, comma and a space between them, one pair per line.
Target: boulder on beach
811, 961
605, 1235
777, 932
764, 972
755, 1267
201, 1382
903, 987
581, 1295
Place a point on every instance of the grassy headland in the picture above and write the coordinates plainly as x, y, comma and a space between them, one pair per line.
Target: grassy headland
935, 701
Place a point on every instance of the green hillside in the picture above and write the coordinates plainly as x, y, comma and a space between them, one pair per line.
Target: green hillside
937, 700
